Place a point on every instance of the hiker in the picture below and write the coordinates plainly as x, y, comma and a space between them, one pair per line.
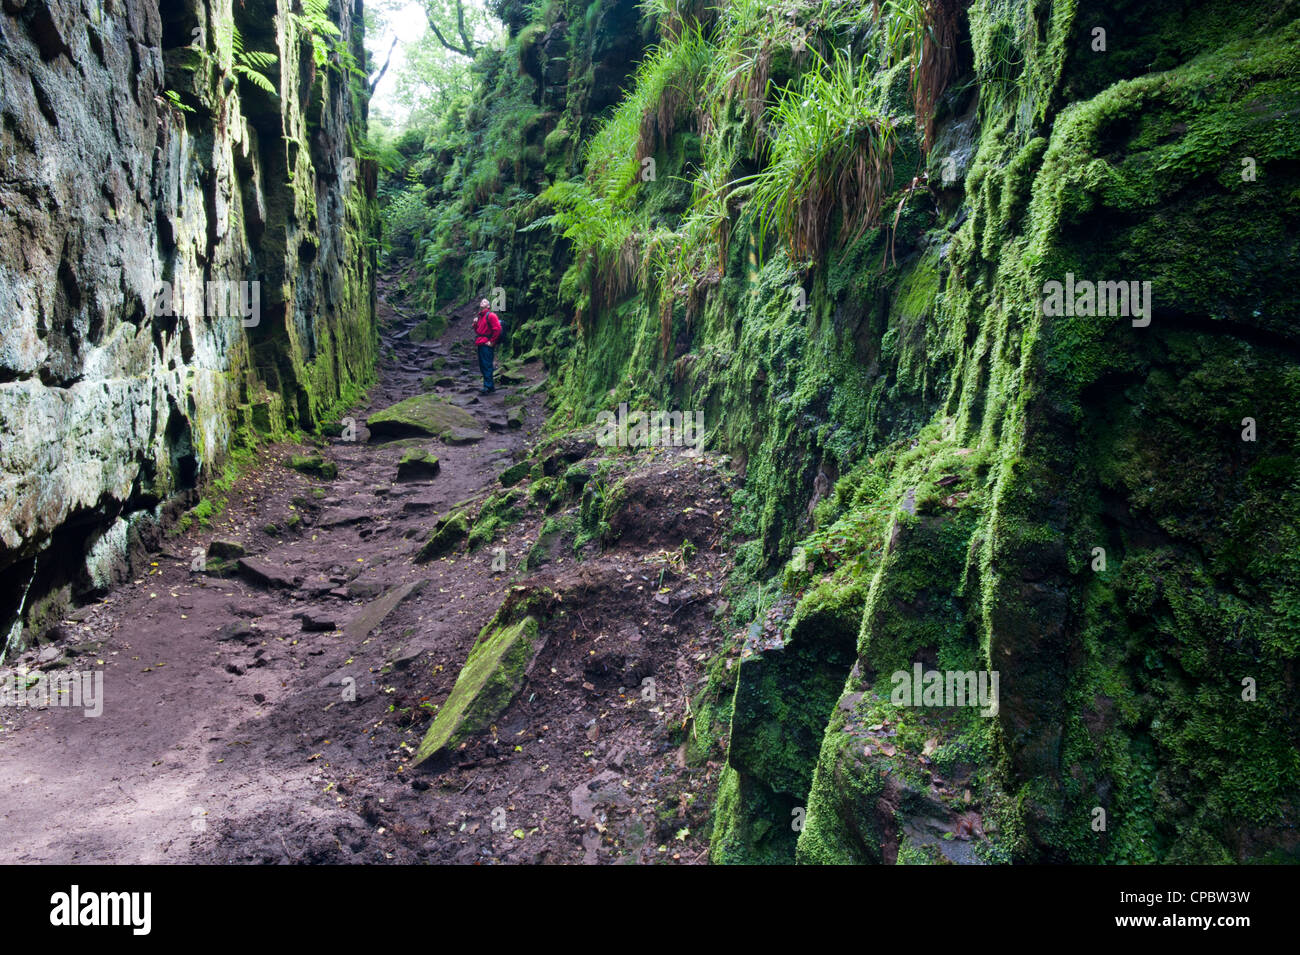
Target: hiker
487, 328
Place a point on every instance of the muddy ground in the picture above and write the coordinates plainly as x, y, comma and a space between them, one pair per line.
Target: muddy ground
270, 716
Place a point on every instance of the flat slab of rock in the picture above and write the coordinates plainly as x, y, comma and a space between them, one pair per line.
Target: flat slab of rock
364, 589
317, 621
373, 614
225, 549
239, 630
262, 574
463, 436
405, 657
345, 518
422, 415
487, 684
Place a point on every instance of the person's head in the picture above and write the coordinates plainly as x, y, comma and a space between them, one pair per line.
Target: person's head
483, 306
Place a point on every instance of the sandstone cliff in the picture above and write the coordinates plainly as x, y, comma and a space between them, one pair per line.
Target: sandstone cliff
186, 263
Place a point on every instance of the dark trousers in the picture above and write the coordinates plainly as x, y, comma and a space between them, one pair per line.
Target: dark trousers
485, 365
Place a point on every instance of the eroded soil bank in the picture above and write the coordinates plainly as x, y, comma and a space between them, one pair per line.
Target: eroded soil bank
266, 707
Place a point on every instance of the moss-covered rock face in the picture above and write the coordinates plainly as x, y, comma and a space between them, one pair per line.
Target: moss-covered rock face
423, 415
1041, 425
495, 514
790, 676
488, 682
187, 270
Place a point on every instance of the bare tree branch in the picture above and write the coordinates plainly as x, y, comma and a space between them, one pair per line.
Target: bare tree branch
389, 59
460, 24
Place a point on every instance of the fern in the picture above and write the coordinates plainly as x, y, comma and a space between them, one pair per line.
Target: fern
325, 36
174, 100
249, 64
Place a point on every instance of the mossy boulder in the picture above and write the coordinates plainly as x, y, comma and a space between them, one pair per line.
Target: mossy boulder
222, 549
315, 465
417, 464
425, 415
462, 436
542, 491
785, 694
332, 429
849, 812
492, 675
448, 532
515, 473
549, 543
577, 476
497, 513
752, 825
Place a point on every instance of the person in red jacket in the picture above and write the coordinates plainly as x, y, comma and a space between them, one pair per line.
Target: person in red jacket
487, 329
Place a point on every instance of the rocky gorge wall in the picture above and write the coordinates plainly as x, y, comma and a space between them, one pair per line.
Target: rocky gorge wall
945, 466
157, 156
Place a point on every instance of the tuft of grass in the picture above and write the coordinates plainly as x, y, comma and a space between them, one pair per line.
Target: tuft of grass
924, 33
830, 151
670, 88
598, 212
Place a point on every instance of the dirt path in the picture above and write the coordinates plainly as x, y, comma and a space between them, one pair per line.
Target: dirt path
199, 732
269, 716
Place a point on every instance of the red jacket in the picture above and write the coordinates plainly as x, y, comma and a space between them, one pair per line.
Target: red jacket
488, 329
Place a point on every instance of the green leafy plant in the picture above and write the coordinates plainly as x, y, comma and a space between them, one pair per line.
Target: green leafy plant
322, 31
924, 33
250, 64
174, 100
327, 47
831, 150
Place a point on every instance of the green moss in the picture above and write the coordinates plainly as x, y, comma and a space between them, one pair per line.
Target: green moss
314, 465
498, 512
421, 415
447, 534
417, 463
541, 490
515, 473
751, 825
488, 682
548, 543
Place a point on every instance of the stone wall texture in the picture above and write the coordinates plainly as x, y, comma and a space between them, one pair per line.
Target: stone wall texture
146, 173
